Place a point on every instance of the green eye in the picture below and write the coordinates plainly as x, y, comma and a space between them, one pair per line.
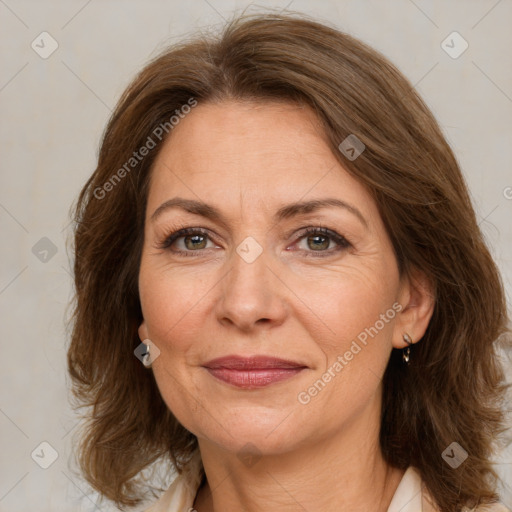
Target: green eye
194, 240
319, 239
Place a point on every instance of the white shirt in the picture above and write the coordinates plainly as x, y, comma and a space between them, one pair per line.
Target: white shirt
411, 495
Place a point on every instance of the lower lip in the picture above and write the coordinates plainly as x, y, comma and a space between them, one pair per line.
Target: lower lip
250, 379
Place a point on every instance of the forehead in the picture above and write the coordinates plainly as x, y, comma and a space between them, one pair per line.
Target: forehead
266, 153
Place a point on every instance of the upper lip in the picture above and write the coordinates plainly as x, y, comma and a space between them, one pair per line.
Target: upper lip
252, 363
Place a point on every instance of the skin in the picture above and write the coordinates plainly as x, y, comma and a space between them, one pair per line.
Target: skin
249, 159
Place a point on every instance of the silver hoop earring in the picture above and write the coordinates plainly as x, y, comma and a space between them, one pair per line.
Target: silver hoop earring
406, 353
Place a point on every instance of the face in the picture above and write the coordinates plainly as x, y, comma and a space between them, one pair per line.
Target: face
255, 276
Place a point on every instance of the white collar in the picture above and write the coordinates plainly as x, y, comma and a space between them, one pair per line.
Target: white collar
410, 494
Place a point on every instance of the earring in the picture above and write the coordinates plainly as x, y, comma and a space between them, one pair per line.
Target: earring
146, 357
406, 354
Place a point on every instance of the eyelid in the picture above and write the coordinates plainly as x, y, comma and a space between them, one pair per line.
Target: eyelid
316, 226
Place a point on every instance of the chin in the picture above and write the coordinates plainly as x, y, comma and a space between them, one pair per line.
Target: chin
247, 432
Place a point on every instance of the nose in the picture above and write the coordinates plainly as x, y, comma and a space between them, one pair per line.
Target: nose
252, 295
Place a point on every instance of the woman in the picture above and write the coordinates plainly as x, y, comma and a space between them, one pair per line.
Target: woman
278, 230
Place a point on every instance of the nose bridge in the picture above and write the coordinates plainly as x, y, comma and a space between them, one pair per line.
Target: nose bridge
250, 288
249, 264
248, 269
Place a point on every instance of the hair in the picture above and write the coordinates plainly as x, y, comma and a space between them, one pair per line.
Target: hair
454, 387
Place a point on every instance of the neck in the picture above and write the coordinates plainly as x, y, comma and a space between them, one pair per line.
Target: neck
334, 474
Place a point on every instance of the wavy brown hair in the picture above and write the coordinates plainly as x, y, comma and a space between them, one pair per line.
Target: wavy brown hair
453, 389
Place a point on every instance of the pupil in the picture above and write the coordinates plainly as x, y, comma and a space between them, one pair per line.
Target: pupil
194, 239
323, 245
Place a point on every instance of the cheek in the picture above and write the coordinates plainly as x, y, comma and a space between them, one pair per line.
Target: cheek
170, 300
357, 307
356, 350
179, 392
170, 306
352, 300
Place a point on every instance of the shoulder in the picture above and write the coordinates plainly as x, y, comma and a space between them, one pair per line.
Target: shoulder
414, 494
180, 495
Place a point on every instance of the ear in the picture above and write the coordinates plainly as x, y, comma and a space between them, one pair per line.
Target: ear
417, 298
143, 331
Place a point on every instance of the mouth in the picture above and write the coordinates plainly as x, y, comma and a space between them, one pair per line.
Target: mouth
253, 372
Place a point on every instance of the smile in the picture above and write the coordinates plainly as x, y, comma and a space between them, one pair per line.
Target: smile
253, 372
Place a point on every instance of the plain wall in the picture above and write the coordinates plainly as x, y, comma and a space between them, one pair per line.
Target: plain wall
54, 110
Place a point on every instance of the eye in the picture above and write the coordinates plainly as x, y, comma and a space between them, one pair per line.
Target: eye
321, 240
187, 240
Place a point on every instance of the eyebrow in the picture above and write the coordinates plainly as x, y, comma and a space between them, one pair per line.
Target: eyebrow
285, 212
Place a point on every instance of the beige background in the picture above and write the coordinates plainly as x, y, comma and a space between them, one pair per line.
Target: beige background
53, 113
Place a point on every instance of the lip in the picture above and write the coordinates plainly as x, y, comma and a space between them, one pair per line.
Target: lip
252, 363
254, 371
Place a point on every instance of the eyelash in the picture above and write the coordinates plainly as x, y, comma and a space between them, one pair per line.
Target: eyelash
342, 242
